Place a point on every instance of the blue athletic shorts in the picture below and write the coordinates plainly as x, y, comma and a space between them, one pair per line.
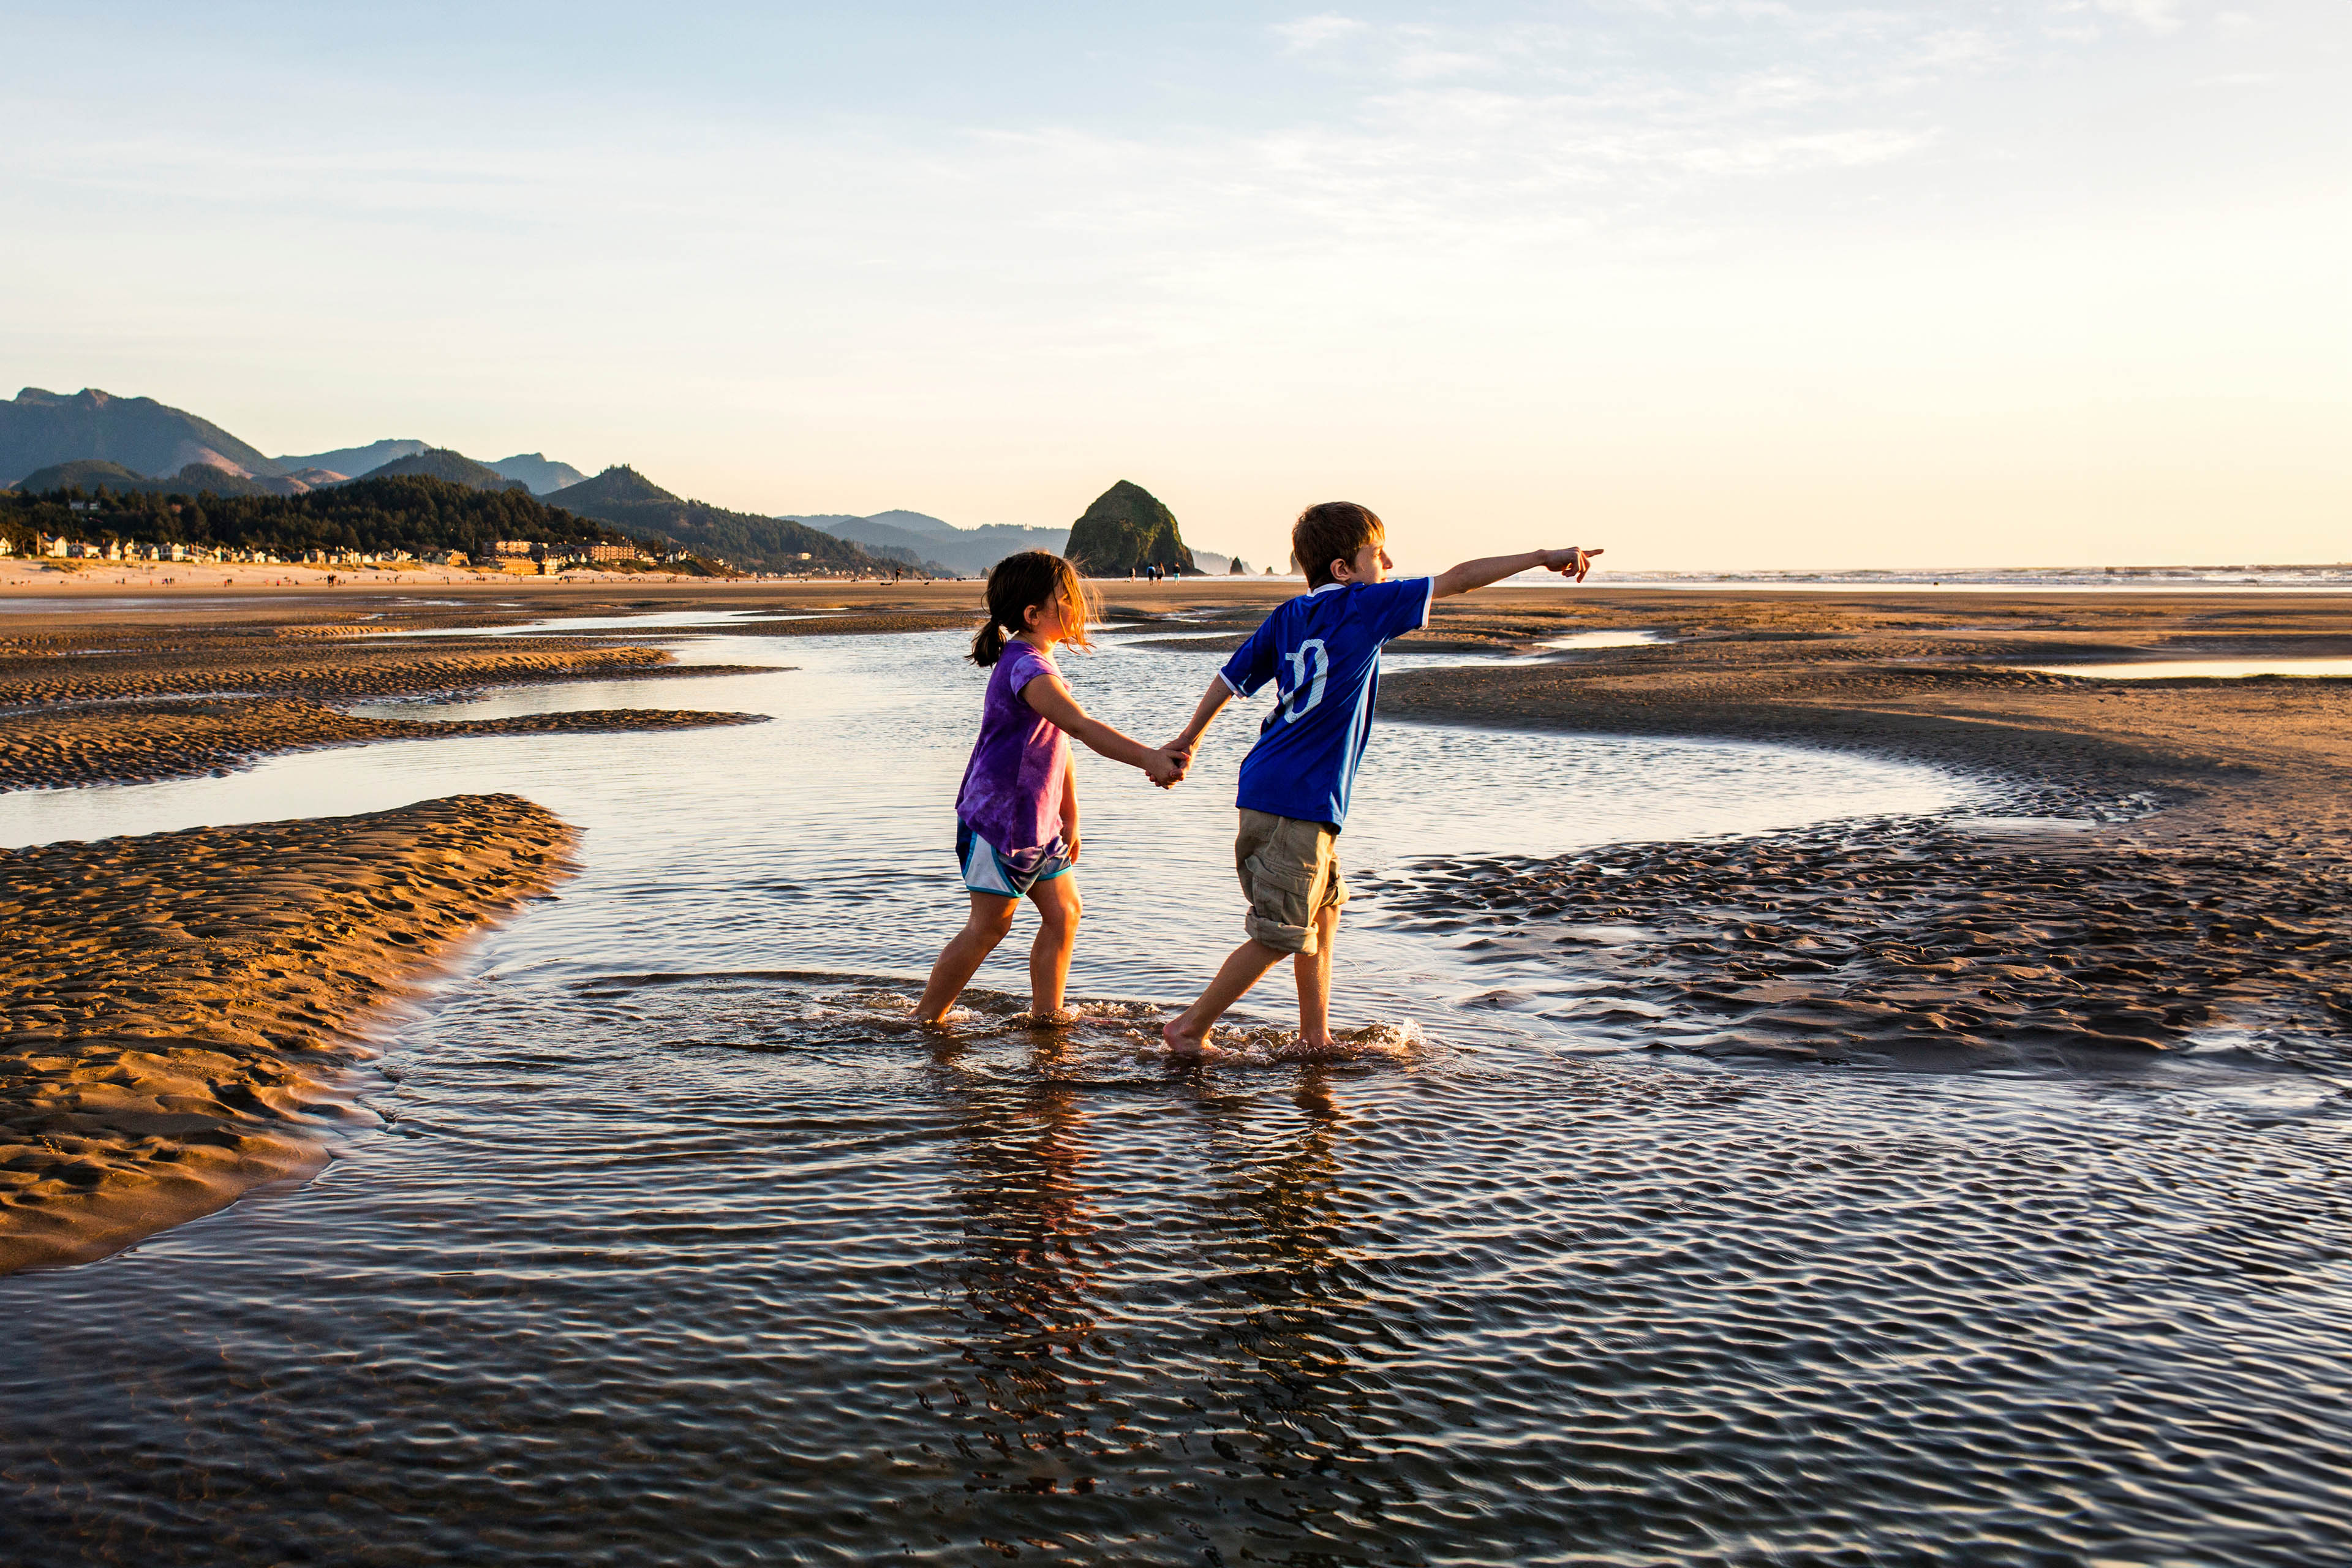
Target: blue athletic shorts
986, 871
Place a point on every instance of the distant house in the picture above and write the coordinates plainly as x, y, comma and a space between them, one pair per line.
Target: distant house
613, 552
517, 548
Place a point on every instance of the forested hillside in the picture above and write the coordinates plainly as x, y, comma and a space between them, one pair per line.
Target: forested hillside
414, 513
440, 463
626, 498
93, 474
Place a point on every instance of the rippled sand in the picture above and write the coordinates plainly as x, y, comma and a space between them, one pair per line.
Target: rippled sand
179, 1007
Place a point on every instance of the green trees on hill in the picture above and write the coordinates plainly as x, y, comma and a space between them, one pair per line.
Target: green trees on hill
440, 463
92, 475
418, 514
626, 498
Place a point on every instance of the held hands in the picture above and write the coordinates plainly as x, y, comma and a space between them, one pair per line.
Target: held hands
1570, 562
1166, 767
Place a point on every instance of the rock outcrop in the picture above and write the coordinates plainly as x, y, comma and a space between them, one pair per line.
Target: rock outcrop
1127, 528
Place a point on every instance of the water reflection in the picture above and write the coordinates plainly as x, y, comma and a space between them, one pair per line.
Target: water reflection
1028, 1275
1292, 1379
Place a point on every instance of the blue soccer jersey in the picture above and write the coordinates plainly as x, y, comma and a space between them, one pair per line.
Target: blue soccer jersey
1322, 651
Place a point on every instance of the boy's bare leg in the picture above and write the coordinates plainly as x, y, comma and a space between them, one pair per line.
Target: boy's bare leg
1244, 967
1057, 938
991, 918
1314, 969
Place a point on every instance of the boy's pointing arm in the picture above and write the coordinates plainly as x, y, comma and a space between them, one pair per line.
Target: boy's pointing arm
1570, 562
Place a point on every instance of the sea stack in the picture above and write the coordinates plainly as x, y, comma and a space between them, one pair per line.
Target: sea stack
1127, 529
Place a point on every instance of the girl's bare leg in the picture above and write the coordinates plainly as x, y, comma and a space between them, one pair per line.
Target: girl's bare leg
991, 918
1057, 937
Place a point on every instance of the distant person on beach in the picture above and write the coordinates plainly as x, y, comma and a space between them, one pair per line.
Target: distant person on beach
1322, 651
1017, 813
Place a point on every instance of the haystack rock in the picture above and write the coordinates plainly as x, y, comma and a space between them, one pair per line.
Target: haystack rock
1125, 529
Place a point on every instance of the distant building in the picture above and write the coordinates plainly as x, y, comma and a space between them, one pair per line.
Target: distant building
613, 552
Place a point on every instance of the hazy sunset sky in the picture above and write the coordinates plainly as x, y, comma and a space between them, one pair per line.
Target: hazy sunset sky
2058, 282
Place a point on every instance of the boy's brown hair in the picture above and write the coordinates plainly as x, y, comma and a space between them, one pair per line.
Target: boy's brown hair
1334, 530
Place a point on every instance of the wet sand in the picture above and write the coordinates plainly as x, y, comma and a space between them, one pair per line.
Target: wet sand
107, 698
2182, 870
142, 742
2170, 869
180, 1006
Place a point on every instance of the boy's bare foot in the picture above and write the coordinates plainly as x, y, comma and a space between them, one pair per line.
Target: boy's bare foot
1179, 1042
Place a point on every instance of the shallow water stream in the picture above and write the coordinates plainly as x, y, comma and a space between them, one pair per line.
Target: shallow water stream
675, 1244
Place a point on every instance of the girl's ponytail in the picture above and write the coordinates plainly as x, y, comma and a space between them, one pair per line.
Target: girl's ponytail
1020, 584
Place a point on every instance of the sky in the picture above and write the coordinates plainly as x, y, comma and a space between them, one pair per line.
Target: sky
1710, 283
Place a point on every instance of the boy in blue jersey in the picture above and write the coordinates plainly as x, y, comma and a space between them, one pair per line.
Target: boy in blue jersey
1322, 650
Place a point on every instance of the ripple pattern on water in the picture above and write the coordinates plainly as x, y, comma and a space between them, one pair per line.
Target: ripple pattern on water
614, 1288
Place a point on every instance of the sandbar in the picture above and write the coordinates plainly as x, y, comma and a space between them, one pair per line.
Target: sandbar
181, 1009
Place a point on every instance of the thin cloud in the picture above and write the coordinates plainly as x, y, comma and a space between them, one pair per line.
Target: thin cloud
1313, 32
2156, 16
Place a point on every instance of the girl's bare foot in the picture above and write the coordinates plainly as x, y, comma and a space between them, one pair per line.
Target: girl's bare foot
1179, 1042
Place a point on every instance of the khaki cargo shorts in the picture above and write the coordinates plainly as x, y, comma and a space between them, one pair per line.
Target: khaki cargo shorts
1290, 873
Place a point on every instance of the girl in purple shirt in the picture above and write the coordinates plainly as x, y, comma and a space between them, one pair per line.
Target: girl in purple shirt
1017, 814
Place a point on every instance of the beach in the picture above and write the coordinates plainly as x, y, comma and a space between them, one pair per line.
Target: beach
2183, 864
182, 1007
2180, 860
1674, 1139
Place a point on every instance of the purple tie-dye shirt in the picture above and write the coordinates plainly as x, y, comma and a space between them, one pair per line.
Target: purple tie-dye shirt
1011, 793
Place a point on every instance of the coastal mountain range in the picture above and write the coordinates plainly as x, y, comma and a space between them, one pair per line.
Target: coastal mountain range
42, 430
50, 441
918, 538
538, 474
